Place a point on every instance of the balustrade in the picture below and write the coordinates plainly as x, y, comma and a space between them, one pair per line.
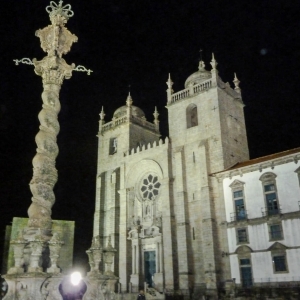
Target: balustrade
201, 87
124, 119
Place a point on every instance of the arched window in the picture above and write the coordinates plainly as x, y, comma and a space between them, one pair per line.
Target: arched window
191, 115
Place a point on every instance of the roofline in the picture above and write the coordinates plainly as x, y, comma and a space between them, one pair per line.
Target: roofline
260, 161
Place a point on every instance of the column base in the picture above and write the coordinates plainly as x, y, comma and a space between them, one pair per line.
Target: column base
158, 282
15, 270
35, 270
134, 280
53, 270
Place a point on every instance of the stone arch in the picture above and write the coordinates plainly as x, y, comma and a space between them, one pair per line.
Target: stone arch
268, 176
242, 250
138, 170
192, 115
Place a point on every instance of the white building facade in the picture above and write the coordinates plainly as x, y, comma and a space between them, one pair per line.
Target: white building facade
262, 198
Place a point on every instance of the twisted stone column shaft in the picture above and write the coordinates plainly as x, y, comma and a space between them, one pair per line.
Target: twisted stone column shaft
44, 171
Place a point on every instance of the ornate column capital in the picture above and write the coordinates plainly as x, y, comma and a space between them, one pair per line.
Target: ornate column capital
53, 69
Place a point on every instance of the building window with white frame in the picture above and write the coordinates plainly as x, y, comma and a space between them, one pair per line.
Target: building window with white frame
239, 213
279, 259
241, 235
244, 258
279, 262
270, 193
275, 232
246, 272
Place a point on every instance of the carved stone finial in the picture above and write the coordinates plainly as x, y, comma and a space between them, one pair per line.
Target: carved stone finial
129, 100
56, 40
156, 114
201, 65
236, 84
169, 90
59, 13
170, 82
102, 114
213, 62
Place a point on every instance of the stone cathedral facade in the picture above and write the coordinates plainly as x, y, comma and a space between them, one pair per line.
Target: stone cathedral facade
155, 198
191, 214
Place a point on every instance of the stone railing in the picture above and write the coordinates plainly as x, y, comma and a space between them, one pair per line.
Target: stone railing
202, 86
143, 122
122, 120
180, 95
114, 123
196, 89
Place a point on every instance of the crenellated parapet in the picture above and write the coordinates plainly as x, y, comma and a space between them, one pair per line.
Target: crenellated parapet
161, 144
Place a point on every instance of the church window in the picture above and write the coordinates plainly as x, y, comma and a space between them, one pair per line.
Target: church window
113, 146
192, 116
270, 193
150, 187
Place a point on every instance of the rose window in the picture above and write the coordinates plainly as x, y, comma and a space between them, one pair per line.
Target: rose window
150, 187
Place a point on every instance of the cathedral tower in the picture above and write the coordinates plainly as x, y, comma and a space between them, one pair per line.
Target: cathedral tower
209, 111
208, 134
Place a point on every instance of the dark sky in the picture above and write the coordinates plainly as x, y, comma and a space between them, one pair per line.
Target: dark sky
137, 43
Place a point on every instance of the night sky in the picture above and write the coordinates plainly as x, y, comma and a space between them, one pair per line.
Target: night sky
137, 43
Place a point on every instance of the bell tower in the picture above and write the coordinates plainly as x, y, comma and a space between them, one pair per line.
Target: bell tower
208, 134
209, 111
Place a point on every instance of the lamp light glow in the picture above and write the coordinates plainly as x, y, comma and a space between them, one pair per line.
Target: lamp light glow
76, 278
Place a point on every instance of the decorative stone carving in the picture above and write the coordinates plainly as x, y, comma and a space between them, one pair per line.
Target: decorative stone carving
108, 257
37, 246
42, 287
91, 259
54, 245
95, 255
101, 287
18, 248
56, 40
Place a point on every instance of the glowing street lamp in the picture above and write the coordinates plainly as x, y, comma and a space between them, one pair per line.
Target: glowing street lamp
76, 278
